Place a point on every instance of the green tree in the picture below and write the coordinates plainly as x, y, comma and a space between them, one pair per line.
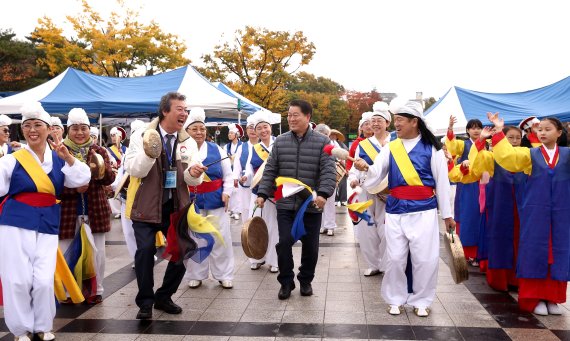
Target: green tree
120, 46
258, 63
18, 69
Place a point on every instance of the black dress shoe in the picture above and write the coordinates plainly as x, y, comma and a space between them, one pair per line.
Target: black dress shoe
285, 291
306, 289
168, 306
145, 313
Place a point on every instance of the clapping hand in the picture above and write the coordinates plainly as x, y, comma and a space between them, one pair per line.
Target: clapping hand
486, 133
496, 120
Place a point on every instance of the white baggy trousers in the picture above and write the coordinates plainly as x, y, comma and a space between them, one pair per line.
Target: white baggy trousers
417, 233
221, 260
27, 268
372, 239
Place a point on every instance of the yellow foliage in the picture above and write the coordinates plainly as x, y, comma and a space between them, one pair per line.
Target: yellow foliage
120, 46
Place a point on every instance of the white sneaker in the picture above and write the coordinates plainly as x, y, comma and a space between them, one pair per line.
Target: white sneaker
371, 272
553, 308
194, 283
274, 269
118, 216
46, 336
330, 233
323, 230
133, 266
256, 266
421, 312
394, 310
155, 258
25, 337
227, 284
541, 309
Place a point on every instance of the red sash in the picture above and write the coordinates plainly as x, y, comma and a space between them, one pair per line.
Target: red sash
206, 187
412, 192
34, 199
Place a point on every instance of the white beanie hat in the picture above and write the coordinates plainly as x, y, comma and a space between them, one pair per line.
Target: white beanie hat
236, 129
119, 131
381, 109
94, 131
77, 116
411, 108
35, 111
250, 121
196, 115
55, 121
5, 120
366, 116
261, 116
136, 125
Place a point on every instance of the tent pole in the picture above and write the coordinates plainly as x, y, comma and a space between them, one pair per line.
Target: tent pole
101, 130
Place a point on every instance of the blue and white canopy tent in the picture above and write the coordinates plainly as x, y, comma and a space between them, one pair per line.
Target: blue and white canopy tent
125, 97
552, 100
245, 105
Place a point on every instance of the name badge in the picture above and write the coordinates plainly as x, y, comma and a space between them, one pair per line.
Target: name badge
170, 181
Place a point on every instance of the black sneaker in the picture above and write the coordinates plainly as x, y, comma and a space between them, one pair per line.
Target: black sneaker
145, 313
306, 289
168, 306
285, 291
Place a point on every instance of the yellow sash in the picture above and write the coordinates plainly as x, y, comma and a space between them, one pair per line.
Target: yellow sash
117, 152
261, 152
134, 184
32, 167
369, 149
404, 163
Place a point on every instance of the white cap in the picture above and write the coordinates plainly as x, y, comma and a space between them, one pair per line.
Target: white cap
366, 116
35, 111
261, 116
250, 121
94, 131
136, 125
77, 116
119, 131
5, 120
196, 115
381, 109
55, 121
236, 129
411, 108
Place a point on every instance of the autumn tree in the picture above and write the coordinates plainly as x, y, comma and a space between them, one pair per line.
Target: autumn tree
258, 63
359, 102
324, 94
428, 103
18, 69
120, 46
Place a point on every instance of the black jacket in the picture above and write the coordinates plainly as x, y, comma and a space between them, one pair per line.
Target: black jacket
303, 160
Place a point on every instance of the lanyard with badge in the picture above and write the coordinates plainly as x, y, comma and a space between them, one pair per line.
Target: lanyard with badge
170, 176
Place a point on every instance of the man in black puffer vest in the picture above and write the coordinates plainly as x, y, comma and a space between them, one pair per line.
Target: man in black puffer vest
298, 154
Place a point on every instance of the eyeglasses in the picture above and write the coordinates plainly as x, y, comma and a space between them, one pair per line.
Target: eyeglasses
36, 126
5, 130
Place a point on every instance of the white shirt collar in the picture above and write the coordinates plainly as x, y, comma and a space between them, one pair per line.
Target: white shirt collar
164, 133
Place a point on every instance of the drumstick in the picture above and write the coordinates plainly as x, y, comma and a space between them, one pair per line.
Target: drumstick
337, 152
213, 163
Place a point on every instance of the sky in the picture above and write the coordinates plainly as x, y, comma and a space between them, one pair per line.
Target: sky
400, 46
